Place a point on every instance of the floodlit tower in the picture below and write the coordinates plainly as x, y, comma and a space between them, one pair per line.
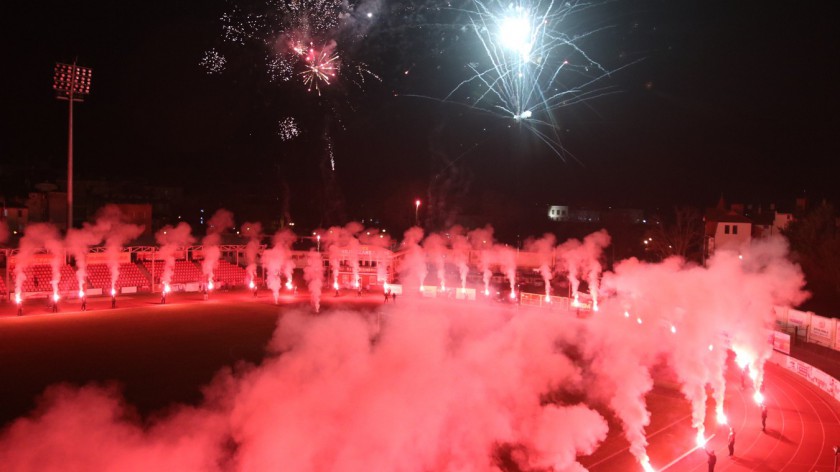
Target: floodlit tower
71, 83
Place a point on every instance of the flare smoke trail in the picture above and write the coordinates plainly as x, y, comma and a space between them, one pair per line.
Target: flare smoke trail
170, 240
56, 248
460, 252
79, 242
506, 257
36, 236
313, 273
220, 222
253, 231
285, 239
116, 233
339, 238
576, 259
353, 258
482, 241
413, 271
278, 261
689, 327
435, 247
544, 247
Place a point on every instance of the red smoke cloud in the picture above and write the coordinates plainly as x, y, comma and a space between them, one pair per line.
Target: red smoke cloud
445, 384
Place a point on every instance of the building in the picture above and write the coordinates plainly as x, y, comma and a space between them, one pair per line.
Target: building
558, 213
725, 229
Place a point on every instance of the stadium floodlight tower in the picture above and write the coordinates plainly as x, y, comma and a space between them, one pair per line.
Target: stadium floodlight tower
71, 82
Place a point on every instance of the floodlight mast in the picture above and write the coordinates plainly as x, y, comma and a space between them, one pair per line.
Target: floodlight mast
71, 82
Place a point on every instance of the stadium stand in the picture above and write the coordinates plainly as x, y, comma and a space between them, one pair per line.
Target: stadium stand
184, 272
39, 276
229, 274
130, 275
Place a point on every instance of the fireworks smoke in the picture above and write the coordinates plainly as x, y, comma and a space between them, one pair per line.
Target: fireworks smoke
170, 240
460, 253
413, 270
482, 241
220, 222
36, 236
544, 247
435, 247
313, 273
253, 231
334, 391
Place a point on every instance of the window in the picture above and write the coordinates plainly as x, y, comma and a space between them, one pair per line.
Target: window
734, 229
725, 229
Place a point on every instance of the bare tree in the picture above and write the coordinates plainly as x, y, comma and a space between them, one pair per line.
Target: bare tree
815, 245
681, 234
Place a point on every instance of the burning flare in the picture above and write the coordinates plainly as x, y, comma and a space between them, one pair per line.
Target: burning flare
701, 439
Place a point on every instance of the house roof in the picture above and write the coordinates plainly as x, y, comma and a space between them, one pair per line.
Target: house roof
718, 215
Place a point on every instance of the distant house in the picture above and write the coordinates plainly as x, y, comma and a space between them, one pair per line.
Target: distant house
769, 223
564, 213
16, 217
558, 213
726, 229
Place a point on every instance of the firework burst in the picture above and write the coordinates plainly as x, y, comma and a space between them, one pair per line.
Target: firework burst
288, 129
321, 68
525, 54
213, 62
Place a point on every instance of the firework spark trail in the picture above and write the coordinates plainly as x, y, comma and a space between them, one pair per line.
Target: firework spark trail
526, 51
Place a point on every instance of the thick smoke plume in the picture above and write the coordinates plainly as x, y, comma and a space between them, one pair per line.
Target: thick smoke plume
413, 270
343, 241
460, 253
441, 386
170, 240
252, 231
36, 236
482, 241
78, 243
578, 259
220, 222
544, 247
116, 232
435, 247
277, 262
313, 274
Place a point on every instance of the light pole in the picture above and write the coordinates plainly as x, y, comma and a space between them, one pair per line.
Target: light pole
836, 450
71, 83
417, 212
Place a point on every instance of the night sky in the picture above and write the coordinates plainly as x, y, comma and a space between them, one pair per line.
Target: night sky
707, 99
